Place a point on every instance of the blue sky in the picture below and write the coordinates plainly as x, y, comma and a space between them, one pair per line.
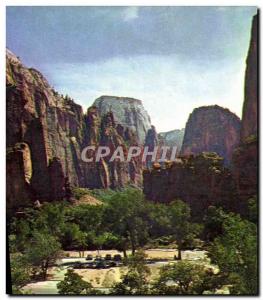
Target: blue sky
172, 58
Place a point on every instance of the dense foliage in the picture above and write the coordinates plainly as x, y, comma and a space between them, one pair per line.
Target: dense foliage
126, 221
73, 284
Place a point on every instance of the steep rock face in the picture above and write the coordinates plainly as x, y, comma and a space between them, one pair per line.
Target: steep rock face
172, 138
128, 112
106, 132
211, 129
151, 141
200, 181
51, 126
18, 175
51, 131
245, 157
245, 170
250, 106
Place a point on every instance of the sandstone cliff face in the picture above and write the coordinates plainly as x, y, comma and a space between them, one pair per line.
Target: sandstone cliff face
18, 175
211, 129
51, 131
250, 106
50, 125
128, 112
200, 181
245, 157
106, 173
245, 170
151, 141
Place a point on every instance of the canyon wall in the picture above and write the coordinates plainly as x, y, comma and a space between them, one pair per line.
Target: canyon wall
48, 132
201, 178
250, 106
245, 157
128, 112
211, 129
48, 124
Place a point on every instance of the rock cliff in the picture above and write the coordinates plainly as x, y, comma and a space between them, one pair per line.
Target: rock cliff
250, 106
245, 157
49, 124
211, 129
151, 141
104, 131
128, 112
46, 133
172, 138
199, 180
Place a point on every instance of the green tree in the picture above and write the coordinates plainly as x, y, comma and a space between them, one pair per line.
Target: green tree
181, 228
20, 272
235, 252
73, 284
42, 251
22, 233
158, 219
135, 281
213, 222
73, 238
87, 217
185, 278
124, 216
51, 217
253, 209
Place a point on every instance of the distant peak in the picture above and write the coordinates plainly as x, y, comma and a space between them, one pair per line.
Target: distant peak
213, 108
118, 98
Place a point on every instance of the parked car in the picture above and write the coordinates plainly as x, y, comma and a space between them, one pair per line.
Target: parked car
89, 265
100, 264
112, 264
78, 265
107, 257
117, 257
98, 259
89, 257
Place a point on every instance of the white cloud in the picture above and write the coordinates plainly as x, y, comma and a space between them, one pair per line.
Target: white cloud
169, 88
130, 13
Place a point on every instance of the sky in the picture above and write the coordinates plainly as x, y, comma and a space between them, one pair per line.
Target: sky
174, 59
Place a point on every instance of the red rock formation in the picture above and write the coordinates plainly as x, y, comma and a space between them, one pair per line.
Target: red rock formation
200, 181
57, 180
56, 130
105, 173
18, 176
151, 141
250, 106
211, 129
245, 157
245, 170
51, 126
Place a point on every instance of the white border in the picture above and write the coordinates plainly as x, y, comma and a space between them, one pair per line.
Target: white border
3, 5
